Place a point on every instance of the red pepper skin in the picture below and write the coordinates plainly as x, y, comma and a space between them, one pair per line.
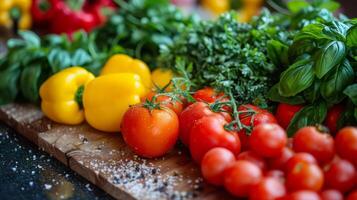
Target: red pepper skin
68, 21
96, 8
43, 17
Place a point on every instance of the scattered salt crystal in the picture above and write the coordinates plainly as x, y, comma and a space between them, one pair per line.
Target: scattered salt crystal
48, 186
31, 183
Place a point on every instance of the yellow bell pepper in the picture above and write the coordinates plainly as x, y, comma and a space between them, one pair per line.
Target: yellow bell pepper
10, 9
217, 7
61, 95
108, 97
161, 77
121, 63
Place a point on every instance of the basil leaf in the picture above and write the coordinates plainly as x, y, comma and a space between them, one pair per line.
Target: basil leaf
29, 82
278, 52
311, 31
296, 78
331, 55
8, 84
274, 95
351, 38
333, 85
351, 92
355, 114
15, 43
312, 93
300, 47
332, 6
297, 5
59, 59
30, 38
309, 115
80, 57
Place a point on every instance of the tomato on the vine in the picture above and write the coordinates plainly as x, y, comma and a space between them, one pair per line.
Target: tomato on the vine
214, 163
207, 94
299, 158
305, 177
333, 115
319, 144
253, 158
352, 195
331, 195
340, 175
280, 161
190, 115
240, 177
209, 132
268, 140
285, 113
150, 132
166, 101
268, 189
346, 144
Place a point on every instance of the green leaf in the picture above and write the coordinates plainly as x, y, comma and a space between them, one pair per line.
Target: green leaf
312, 93
296, 78
80, 57
309, 115
31, 38
311, 31
332, 6
300, 47
355, 114
297, 5
59, 59
15, 43
333, 85
351, 38
351, 92
278, 52
29, 83
330, 56
8, 84
274, 95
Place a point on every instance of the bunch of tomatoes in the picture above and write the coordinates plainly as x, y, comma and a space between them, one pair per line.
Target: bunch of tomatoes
259, 161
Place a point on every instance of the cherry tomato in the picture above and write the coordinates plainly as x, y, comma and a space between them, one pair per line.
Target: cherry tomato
268, 140
240, 177
346, 144
340, 175
253, 158
280, 161
214, 163
299, 158
302, 195
277, 174
166, 101
352, 195
208, 95
267, 189
209, 132
333, 116
150, 133
331, 195
190, 115
285, 113
310, 140
259, 117
305, 177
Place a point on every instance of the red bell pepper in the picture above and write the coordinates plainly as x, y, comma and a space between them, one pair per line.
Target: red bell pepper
43, 11
100, 9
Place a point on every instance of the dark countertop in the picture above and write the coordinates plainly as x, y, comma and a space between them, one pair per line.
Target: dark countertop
28, 173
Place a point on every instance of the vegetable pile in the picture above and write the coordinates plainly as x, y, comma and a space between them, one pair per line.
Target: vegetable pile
158, 76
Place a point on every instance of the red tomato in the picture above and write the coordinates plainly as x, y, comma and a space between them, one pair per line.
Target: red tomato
259, 117
166, 101
352, 195
277, 174
253, 158
267, 189
305, 177
150, 133
240, 177
190, 115
268, 140
331, 195
208, 95
285, 113
302, 195
299, 158
346, 144
209, 132
214, 163
310, 140
280, 161
340, 175
333, 116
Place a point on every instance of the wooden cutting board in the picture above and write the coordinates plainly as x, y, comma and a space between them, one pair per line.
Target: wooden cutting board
105, 160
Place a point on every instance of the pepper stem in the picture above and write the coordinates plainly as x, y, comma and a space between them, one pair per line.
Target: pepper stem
79, 96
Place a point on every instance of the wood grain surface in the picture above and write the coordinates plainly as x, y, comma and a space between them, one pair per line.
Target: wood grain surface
105, 160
